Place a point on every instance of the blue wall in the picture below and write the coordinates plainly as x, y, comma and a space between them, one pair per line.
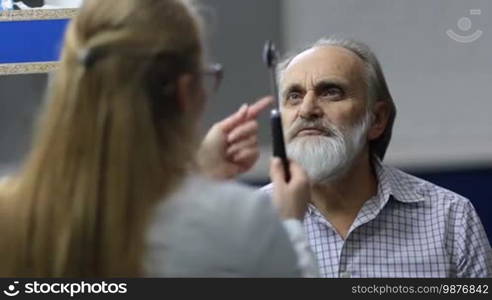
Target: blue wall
474, 184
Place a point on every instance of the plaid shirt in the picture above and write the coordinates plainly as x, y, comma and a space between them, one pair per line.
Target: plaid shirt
411, 228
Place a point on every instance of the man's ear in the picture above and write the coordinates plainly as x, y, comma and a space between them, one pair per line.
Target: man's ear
185, 92
381, 112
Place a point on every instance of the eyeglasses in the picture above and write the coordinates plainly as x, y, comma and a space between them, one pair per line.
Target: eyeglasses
212, 78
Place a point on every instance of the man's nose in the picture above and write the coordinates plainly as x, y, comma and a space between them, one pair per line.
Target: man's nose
309, 108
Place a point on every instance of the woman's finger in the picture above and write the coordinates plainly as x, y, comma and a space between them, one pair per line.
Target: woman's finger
277, 173
246, 156
255, 109
251, 142
243, 131
298, 174
234, 120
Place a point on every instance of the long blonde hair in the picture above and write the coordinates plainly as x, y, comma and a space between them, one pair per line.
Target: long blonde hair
110, 143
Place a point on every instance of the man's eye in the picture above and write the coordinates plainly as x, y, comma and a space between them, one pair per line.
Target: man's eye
332, 92
293, 97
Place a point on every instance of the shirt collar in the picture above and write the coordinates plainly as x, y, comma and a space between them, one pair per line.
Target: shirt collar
392, 182
378, 201
311, 209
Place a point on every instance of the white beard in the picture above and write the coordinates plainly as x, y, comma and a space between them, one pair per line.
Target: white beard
326, 158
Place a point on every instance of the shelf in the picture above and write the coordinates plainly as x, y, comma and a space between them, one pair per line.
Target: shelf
36, 14
18, 27
27, 68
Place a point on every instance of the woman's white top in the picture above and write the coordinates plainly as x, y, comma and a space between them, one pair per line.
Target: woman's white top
223, 229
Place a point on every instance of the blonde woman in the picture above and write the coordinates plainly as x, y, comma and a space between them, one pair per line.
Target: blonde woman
111, 187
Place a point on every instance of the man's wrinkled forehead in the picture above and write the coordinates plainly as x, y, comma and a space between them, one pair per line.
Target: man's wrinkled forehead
322, 63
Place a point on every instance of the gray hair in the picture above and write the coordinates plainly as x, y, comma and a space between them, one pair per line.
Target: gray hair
377, 88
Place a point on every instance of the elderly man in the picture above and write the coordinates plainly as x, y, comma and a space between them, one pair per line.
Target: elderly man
367, 219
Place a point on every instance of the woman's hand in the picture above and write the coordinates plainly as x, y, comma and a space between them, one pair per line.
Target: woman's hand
231, 145
291, 198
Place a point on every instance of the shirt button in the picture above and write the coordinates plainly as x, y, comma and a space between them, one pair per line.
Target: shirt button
345, 274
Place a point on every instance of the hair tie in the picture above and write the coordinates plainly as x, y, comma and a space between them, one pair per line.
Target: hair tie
88, 57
